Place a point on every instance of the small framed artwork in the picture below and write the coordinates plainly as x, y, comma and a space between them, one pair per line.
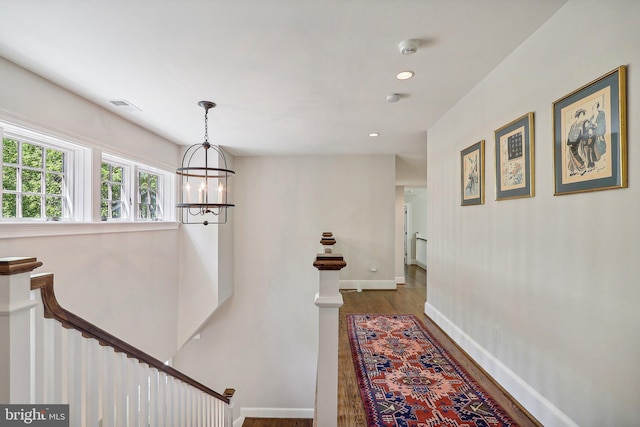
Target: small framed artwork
514, 159
472, 168
589, 132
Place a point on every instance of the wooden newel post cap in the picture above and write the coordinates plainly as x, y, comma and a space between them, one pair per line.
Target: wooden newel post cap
327, 239
16, 265
327, 242
329, 262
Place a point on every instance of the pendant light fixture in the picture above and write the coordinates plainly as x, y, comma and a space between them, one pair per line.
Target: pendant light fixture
204, 180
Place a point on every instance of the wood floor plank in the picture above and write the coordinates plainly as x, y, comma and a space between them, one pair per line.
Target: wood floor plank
277, 422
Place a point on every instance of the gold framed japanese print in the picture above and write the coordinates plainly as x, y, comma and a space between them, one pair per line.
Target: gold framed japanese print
472, 174
514, 147
590, 138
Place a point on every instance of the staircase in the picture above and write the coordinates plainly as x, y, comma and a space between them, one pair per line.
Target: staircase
50, 356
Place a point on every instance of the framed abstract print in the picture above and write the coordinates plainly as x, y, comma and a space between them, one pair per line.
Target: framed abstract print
472, 174
515, 159
589, 132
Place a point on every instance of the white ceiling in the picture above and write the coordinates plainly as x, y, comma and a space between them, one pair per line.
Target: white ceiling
289, 76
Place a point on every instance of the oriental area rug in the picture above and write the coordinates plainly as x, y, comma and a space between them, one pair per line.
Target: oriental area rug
407, 379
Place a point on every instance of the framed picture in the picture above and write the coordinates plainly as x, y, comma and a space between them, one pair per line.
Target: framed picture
514, 159
472, 171
589, 132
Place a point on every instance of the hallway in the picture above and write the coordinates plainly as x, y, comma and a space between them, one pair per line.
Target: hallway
407, 299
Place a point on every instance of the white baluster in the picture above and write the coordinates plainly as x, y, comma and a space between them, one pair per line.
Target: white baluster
208, 420
145, 373
170, 397
224, 413
199, 411
108, 387
154, 405
76, 375
184, 405
188, 405
178, 404
60, 368
48, 367
161, 401
131, 389
37, 349
94, 355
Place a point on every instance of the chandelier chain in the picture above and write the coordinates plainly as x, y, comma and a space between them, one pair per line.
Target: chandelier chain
206, 126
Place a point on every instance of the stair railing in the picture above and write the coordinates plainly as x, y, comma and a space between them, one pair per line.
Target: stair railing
49, 355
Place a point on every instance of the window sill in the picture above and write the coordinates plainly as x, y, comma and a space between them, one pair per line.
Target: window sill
42, 229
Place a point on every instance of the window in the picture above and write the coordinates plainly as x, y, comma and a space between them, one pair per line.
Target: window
54, 178
34, 180
113, 190
124, 181
149, 192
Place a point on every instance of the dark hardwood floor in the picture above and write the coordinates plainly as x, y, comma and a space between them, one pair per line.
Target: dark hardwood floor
407, 299
277, 422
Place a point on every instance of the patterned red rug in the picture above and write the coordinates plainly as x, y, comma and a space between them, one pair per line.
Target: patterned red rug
407, 379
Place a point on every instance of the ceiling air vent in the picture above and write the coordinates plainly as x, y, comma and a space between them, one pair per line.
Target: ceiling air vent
124, 105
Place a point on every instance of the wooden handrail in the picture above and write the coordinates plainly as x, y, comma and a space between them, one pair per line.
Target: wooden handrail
52, 309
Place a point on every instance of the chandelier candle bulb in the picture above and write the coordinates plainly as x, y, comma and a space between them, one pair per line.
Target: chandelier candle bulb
188, 190
202, 192
220, 193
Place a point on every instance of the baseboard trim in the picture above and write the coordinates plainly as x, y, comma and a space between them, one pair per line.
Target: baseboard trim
400, 280
537, 405
362, 285
274, 413
419, 263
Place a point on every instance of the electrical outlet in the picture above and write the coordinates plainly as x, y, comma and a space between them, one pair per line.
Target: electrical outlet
373, 269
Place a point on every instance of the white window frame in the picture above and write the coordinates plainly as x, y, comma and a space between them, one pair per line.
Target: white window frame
83, 162
74, 158
160, 197
165, 189
126, 187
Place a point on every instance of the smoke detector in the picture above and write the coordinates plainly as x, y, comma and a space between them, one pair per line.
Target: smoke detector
409, 47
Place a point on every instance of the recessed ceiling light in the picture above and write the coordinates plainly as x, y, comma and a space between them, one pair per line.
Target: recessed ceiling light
404, 75
374, 134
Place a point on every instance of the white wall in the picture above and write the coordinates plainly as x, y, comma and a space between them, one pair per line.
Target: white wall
125, 283
411, 170
416, 202
32, 98
263, 341
544, 291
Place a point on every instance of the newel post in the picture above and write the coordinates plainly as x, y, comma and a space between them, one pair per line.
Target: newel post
328, 300
15, 328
